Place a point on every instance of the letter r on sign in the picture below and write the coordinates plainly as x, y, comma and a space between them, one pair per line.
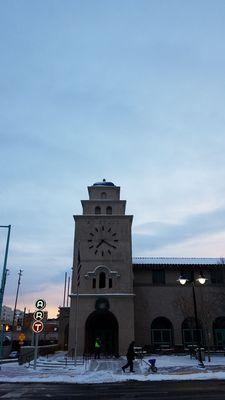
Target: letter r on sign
39, 315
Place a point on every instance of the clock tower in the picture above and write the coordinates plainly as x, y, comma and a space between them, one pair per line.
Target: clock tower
102, 299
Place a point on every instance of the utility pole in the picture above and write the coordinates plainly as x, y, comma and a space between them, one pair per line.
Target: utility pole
68, 292
24, 313
64, 293
17, 293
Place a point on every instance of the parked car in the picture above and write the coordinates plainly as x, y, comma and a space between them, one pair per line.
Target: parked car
13, 354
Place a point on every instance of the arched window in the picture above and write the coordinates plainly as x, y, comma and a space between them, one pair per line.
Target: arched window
162, 333
103, 195
108, 210
110, 283
94, 283
97, 210
102, 280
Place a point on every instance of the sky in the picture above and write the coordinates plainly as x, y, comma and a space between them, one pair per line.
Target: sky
131, 91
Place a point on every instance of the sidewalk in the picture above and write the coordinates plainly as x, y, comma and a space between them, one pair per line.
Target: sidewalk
54, 369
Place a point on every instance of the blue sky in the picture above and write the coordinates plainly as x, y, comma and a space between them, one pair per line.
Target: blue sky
130, 91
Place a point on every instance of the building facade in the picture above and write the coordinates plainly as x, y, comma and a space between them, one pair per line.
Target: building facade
164, 309
119, 298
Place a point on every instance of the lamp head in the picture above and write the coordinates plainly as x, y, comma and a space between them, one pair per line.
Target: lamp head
201, 279
182, 280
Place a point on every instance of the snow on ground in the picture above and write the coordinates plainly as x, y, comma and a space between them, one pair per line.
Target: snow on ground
53, 369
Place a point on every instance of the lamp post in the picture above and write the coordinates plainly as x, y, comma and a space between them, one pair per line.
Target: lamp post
4, 274
201, 279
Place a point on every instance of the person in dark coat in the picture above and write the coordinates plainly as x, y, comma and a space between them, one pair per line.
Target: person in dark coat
130, 358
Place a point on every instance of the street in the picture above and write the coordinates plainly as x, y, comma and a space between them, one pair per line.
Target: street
205, 390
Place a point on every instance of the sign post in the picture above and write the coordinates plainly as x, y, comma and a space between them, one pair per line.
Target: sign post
36, 351
38, 325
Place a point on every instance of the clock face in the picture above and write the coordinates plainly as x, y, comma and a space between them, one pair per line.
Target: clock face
103, 240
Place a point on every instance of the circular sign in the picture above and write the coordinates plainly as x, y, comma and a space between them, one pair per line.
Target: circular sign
22, 337
38, 326
39, 315
40, 304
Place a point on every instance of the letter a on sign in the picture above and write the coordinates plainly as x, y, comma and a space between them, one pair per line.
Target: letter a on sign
40, 304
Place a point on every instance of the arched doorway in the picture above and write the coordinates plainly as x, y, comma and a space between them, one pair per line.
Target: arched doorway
162, 333
191, 336
102, 324
219, 332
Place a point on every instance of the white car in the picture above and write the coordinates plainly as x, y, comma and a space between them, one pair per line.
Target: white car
13, 354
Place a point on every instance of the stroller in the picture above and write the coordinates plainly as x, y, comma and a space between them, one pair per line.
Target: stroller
151, 364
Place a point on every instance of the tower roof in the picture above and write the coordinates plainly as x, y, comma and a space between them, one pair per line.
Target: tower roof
103, 183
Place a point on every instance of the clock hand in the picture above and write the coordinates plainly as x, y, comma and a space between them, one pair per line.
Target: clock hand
99, 244
109, 244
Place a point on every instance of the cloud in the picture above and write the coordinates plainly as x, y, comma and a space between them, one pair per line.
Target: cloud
51, 292
157, 235
206, 246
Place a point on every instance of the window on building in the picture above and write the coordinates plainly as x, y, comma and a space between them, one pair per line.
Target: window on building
102, 280
110, 283
97, 210
158, 277
191, 335
162, 333
219, 332
103, 195
109, 210
94, 283
217, 276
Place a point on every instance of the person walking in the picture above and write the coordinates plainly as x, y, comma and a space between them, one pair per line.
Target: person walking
130, 358
97, 348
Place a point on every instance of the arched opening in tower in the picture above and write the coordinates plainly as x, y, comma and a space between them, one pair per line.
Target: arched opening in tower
103, 325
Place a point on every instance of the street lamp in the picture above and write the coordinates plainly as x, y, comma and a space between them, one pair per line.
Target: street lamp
201, 279
4, 274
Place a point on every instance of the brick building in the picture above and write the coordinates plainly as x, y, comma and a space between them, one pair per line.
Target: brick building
121, 298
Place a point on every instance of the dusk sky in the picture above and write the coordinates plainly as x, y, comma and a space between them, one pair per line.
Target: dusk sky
132, 91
